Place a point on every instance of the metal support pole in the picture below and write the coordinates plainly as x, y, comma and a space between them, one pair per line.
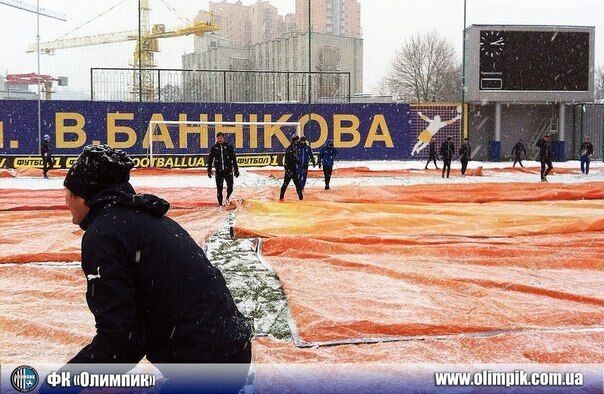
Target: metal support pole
309, 56
39, 91
561, 122
463, 72
497, 121
158, 85
140, 48
224, 86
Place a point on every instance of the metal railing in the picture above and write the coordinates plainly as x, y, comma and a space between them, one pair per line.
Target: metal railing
179, 85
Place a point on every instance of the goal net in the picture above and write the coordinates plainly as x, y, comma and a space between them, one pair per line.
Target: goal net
165, 139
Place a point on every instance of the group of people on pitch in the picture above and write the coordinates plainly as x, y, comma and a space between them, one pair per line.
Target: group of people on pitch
447, 153
298, 157
222, 164
546, 155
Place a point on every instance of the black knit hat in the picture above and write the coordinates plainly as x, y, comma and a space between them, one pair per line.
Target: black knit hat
99, 167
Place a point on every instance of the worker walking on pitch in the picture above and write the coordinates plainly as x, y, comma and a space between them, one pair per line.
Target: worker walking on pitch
305, 157
222, 157
46, 156
447, 151
587, 151
517, 152
151, 288
291, 163
432, 156
327, 155
464, 155
545, 156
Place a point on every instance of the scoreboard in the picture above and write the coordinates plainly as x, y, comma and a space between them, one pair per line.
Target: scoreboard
529, 63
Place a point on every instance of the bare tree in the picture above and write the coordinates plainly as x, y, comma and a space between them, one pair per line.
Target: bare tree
599, 83
426, 69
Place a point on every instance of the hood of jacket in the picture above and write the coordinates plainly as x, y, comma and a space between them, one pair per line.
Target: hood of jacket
123, 195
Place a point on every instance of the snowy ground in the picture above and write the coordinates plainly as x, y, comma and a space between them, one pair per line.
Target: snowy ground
257, 290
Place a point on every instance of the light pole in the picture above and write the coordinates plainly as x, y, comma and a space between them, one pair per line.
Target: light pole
463, 72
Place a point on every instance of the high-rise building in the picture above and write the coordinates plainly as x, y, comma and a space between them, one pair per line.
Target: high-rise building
339, 17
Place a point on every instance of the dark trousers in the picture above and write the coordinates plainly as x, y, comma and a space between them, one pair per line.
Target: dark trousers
585, 164
431, 159
464, 165
302, 175
545, 171
327, 170
291, 174
221, 177
46, 164
446, 167
517, 160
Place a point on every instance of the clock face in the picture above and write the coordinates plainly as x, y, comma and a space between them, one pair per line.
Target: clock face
492, 43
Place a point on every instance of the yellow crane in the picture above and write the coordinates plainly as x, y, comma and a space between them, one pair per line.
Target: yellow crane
146, 46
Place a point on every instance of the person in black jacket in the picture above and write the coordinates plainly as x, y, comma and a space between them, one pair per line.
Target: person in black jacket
545, 156
291, 162
222, 157
517, 151
587, 150
46, 156
432, 156
151, 288
464, 155
447, 151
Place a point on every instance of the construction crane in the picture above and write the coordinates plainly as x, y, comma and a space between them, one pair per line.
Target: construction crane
36, 79
146, 46
33, 9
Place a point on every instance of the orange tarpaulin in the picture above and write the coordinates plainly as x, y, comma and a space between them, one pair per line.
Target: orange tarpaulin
366, 172
193, 197
38, 236
328, 220
344, 291
515, 347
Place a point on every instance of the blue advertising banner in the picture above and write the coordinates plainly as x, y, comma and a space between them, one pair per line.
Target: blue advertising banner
389, 131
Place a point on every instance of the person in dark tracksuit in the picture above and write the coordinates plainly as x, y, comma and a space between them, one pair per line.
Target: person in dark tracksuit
150, 286
222, 157
305, 157
46, 156
432, 156
291, 162
587, 150
447, 151
326, 158
464, 155
517, 152
546, 155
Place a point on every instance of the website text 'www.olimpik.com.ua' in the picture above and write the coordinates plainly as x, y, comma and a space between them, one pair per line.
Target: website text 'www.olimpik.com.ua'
514, 378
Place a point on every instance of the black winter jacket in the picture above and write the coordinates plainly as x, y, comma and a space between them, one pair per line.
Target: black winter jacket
432, 150
518, 149
587, 148
545, 150
223, 158
464, 152
291, 160
151, 288
447, 150
45, 149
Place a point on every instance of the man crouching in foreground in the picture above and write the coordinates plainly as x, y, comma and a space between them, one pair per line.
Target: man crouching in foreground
151, 288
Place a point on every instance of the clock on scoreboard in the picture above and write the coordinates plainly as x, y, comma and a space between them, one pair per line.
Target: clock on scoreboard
534, 60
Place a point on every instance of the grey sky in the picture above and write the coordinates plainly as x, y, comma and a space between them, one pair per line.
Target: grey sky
385, 25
